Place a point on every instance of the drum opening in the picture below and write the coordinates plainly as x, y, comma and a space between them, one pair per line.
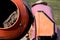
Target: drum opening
8, 13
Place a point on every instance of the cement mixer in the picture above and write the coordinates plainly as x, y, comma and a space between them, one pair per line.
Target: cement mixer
15, 19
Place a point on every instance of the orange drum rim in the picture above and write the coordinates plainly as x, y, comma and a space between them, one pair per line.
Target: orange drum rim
17, 31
